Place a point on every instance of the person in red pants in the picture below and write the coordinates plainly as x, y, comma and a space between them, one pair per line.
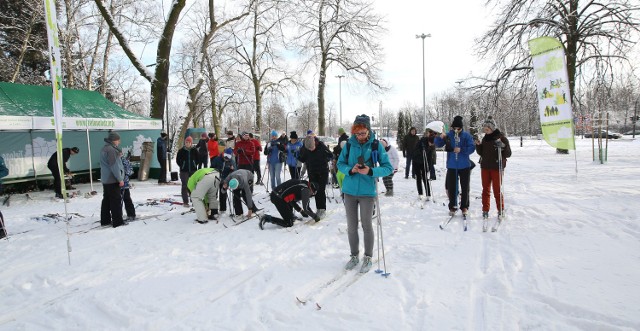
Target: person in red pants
492, 169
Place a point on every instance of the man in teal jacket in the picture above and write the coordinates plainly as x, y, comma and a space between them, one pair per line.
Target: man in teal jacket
361, 162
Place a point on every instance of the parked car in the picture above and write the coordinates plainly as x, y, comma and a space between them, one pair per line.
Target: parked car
630, 132
331, 142
604, 134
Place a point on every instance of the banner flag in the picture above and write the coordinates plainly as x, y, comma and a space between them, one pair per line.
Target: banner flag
554, 99
55, 74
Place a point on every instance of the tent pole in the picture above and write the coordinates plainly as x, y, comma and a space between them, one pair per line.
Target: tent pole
90, 163
33, 155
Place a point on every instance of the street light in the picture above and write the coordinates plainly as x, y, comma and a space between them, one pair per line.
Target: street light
286, 121
340, 83
424, 98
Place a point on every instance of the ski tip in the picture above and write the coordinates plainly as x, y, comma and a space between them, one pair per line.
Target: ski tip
318, 307
386, 274
441, 228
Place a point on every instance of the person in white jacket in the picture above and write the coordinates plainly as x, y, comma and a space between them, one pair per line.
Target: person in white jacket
392, 152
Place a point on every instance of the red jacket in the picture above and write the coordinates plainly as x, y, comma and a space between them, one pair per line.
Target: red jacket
258, 147
245, 150
212, 146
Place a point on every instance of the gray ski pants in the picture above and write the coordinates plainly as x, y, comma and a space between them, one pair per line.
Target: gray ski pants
207, 187
351, 204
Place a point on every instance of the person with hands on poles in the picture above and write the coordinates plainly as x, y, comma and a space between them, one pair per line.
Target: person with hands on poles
245, 151
240, 182
187, 160
494, 149
275, 152
316, 156
357, 162
285, 198
459, 146
293, 149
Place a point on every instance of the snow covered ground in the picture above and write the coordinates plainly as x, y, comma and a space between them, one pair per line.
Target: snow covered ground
566, 258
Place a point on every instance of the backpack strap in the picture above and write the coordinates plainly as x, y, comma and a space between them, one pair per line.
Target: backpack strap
374, 151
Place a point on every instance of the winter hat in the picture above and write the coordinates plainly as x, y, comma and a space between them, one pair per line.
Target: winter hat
163, 135
203, 136
189, 140
274, 133
293, 135
233, 184
211, 135
113, 136
228, 153
457, 122
363, 120
489, 123
229, 133
75, 150
309, 143
309, 132
384, 142
341, 131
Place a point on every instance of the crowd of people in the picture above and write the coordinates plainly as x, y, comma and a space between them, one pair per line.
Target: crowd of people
212, 167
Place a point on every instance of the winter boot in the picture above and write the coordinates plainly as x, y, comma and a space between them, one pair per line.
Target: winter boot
353, 262
452, 211
202, 222
485, 215
321, 213
264, 219
389, 193
366, 264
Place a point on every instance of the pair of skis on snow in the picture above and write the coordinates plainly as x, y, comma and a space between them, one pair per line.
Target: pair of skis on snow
485, 222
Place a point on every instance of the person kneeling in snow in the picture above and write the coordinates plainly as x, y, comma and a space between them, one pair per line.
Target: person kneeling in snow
204, 186
285, 197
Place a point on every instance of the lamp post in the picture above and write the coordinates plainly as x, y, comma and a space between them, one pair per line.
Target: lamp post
286, 121
424, 98
340, 84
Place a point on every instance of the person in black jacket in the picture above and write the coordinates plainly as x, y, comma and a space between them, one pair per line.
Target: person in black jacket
162, 157
187, 160
316, 156
285, 198
203, 151
53, 166
408, 149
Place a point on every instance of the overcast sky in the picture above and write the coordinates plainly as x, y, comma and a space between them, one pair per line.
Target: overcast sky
453, 25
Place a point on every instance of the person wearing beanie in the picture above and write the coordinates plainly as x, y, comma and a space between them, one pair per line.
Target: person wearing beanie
361, 164
293, 150
225, 164
161, 155
112, 179
491, 167
315, 155
408, 147
256, 158
285, 198
187, 160
243, 191
459, 146
343, 136
275, 152
310, 132
52, 164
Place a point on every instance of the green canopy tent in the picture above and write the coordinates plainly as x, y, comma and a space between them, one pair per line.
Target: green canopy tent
28, 134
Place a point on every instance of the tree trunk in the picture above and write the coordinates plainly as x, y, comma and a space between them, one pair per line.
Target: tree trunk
23, 49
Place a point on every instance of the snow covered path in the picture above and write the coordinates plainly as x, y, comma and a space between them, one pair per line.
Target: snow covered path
566, 258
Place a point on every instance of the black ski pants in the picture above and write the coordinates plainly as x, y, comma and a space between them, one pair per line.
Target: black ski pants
57, 182
321, 179
238, 196
111, 209
451, 185
128, 203
285, 209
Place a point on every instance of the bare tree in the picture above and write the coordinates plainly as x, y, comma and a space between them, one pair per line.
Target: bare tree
259, 54
592, 33
342, 33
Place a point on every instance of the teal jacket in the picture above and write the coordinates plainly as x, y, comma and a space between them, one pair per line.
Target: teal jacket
358, 184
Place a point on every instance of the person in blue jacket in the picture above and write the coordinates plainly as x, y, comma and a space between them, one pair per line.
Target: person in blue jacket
275, 157
361, 162
459, 146
293, 150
